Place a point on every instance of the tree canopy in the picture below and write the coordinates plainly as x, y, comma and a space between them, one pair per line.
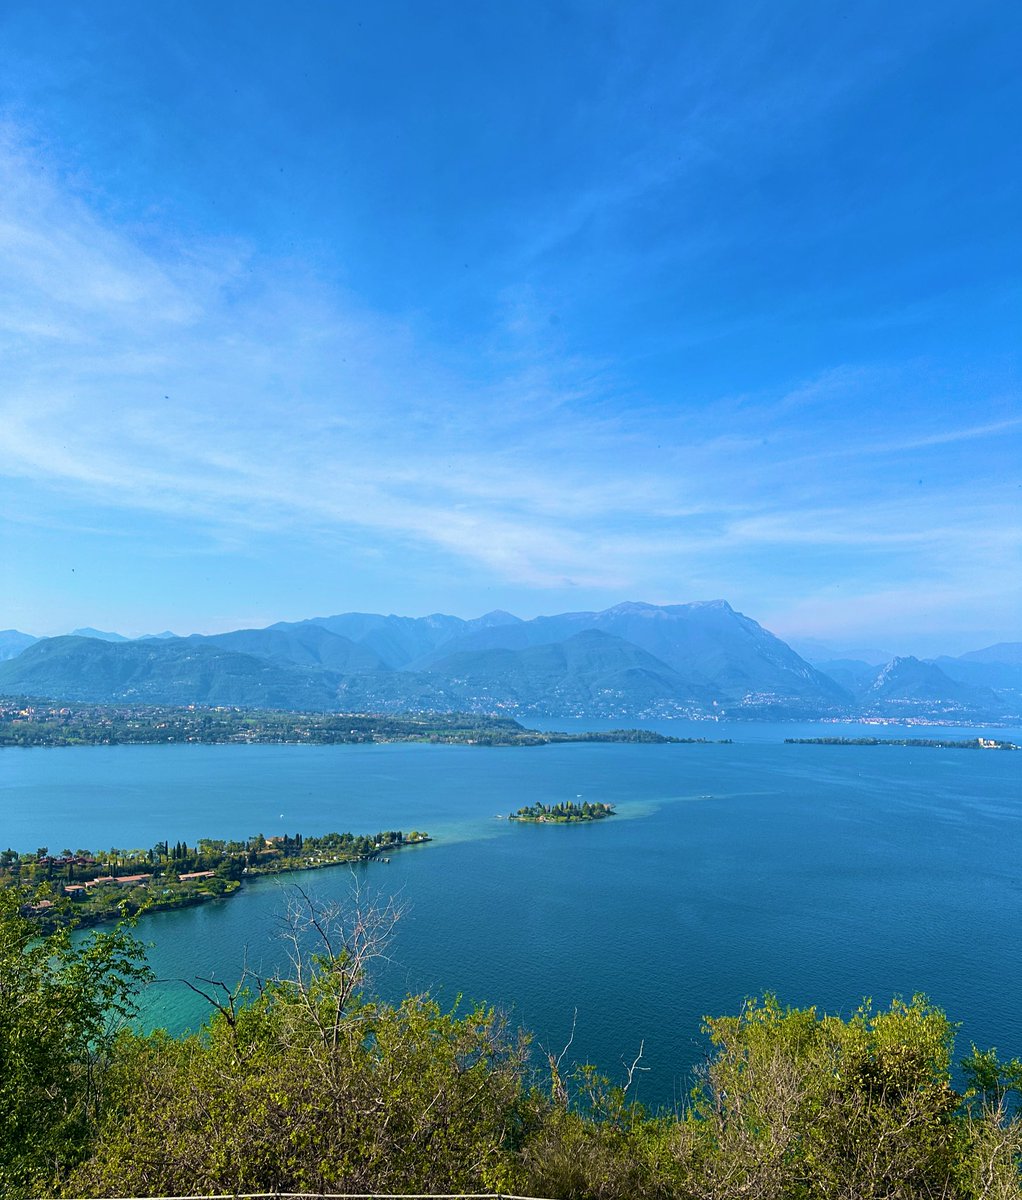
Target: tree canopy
306, 1083
62, 1002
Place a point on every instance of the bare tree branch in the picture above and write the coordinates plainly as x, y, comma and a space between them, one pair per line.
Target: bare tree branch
558, 1090
634, 1067
331, 947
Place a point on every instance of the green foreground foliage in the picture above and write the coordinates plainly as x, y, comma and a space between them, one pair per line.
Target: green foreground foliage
61, 1005
306, 1084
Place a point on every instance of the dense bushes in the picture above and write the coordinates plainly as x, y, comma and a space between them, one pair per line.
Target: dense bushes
406, 1098
792, 1105
59, 1003
311, 1087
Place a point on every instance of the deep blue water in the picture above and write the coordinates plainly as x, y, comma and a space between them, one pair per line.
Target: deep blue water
825, 874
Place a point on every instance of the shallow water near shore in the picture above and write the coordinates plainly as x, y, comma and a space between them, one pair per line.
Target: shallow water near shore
822, 873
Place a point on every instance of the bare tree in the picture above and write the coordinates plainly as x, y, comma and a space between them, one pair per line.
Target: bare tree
558, 1089
330, 948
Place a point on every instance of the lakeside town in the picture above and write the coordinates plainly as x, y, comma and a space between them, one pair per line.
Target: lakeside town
85, 887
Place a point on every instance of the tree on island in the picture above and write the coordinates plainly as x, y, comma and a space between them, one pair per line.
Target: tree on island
564, 812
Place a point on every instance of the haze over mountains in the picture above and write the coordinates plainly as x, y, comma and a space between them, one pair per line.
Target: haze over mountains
632, 660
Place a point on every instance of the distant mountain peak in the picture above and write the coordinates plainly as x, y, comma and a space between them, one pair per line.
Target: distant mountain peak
899, 661
497, 616
635, 657
1002, 652
901, 664
640, 608
13, 641
907, 679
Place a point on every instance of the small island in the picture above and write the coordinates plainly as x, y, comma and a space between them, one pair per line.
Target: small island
568, 813
84, 887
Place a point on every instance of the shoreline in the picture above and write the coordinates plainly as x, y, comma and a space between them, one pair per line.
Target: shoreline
120, 905
978, 743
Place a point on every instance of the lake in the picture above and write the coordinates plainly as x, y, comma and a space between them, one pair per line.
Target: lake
824, 874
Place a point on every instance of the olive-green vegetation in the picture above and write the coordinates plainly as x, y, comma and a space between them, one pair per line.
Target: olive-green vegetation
25, 722
923, 743
61, 1002
306, 1084
566, 813
85, 887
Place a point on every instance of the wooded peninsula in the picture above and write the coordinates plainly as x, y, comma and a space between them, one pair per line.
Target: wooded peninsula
32, 723
86, 887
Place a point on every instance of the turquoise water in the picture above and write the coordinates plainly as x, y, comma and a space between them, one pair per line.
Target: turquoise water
824, 874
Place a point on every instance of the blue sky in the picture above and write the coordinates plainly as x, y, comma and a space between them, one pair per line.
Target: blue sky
541, 306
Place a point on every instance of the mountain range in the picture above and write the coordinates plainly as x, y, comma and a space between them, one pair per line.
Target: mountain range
632, 660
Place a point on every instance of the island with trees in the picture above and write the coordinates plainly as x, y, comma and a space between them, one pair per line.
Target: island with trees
86, 887
565, 813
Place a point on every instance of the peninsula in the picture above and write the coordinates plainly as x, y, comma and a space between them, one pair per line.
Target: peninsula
25, 722
85, 887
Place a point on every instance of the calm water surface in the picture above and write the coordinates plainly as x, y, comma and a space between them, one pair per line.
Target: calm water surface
824, 874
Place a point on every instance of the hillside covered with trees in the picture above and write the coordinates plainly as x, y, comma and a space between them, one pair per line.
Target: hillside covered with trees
308, 1084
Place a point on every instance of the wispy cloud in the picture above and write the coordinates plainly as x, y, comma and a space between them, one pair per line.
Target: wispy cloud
241, 397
